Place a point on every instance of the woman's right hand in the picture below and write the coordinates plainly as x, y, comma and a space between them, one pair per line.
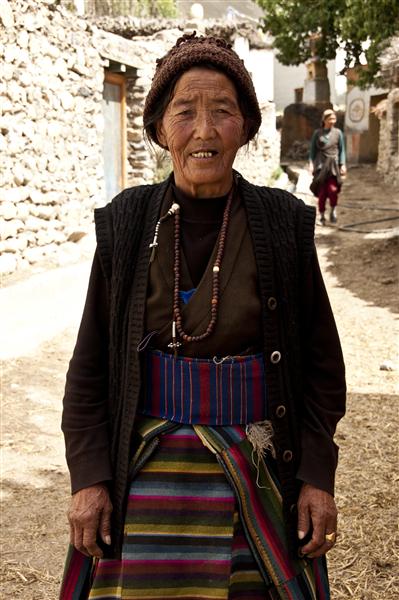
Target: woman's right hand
89, 515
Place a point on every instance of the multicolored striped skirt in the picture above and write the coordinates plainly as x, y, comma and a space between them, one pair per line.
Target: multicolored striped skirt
204, 515
198, 527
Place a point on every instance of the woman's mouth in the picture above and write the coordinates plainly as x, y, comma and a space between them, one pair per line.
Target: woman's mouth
204, 154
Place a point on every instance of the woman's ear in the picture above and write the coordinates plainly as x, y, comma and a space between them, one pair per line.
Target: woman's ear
244, 134
161, 134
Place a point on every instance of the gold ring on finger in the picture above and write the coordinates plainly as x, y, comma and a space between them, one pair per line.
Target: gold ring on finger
331, 537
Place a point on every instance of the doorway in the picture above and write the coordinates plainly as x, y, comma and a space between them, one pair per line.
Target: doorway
114, 146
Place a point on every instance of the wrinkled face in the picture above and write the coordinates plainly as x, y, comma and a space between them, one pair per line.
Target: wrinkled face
330, 121
203, 128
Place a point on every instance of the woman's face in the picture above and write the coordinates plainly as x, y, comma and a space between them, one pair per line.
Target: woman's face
203, 128
330, 121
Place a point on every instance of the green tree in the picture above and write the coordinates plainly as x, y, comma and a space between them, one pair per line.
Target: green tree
319, 27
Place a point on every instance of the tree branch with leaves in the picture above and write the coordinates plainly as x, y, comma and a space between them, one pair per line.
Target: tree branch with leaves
319, 27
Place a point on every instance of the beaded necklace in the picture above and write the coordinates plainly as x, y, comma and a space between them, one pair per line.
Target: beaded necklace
177, 326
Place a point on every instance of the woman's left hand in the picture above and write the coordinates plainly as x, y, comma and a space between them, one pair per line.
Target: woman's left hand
342, 170
316, 513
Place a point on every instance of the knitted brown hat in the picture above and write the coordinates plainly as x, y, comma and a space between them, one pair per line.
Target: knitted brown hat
191, 51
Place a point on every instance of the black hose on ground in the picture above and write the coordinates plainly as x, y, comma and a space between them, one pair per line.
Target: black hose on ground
351, 226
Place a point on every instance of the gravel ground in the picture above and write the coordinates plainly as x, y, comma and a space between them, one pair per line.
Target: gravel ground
364, 562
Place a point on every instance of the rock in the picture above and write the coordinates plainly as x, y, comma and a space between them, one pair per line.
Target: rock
25, 79
8, 210
34, 224
10, 228
44, 237
31, 22
15, 244
23, 39
8, 262
21, 175
67, 101
29, 236
387, 365
22, 211
4, 125
22, 264
18, 194
33, 255
61, 68
6, 14
11, 53
36, 196
7, 73
84, 92
43, 211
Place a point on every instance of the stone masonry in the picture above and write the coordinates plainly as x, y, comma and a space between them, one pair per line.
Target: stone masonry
388, 113
52, 65
51, 171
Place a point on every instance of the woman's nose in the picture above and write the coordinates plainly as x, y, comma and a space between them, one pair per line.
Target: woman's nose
204, 125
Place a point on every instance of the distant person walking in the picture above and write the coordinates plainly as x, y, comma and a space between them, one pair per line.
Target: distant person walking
327, 159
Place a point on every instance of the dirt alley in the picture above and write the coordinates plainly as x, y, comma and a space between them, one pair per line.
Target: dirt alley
41, 315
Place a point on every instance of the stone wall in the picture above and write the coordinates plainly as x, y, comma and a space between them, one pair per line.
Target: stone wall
51, 169
388, 148
260, 159
52, 128
388, 113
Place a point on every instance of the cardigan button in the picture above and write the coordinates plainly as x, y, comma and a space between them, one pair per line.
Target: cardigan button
287, 456
275, 357
280, 411
272, 303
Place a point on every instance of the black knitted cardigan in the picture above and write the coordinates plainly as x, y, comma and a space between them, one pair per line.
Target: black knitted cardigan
282, 230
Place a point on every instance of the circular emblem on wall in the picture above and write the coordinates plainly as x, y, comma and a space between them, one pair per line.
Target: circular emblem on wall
357, 110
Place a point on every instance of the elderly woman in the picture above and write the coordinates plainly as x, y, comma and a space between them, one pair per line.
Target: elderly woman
207, 379
327, 161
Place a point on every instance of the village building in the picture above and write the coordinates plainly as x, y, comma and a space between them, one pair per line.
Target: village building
72, 91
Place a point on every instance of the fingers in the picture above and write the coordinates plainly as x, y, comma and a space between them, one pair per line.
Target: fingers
89, 541
83, 533
90, 514
319, 506
105, 525
319, 545
303, 520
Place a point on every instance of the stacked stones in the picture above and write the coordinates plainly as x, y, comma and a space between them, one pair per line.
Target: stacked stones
388, 149
146, 164
259, 161
51, 166
51, 128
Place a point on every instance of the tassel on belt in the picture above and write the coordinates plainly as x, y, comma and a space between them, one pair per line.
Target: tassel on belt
230, 391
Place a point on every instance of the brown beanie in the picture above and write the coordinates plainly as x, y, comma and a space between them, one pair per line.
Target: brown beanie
191, 51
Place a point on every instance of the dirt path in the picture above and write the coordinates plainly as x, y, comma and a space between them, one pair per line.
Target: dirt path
35, 487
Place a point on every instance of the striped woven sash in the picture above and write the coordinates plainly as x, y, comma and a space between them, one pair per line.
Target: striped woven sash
207, 392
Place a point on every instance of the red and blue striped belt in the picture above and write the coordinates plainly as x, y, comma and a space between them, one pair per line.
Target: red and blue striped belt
229, 391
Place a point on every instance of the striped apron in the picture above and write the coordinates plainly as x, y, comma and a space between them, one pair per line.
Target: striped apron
204, 516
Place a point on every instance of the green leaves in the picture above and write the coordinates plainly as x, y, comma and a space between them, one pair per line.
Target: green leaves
319, 27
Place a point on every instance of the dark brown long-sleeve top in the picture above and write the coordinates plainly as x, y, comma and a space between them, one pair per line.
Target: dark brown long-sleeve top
306, 388
85, 422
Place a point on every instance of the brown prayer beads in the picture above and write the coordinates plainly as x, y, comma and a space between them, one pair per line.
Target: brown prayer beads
215, 276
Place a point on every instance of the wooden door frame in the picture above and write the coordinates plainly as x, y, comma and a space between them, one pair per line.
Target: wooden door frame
120, 81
